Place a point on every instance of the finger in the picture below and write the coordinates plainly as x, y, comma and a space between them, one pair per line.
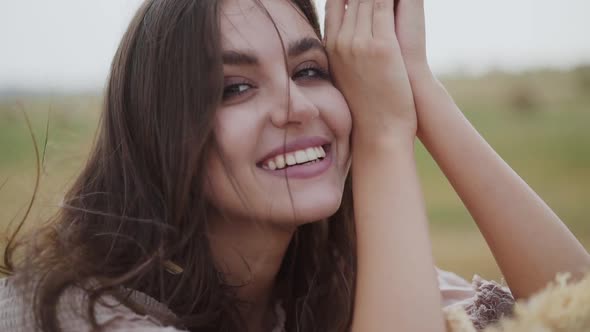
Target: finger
349, 21
410, 15
364, 19
383, 19
412, 8
333, 19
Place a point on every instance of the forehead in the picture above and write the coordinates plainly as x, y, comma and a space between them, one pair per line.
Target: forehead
245, 24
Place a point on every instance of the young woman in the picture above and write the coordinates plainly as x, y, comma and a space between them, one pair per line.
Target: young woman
218, 196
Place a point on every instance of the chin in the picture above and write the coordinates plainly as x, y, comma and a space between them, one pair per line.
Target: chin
312, 206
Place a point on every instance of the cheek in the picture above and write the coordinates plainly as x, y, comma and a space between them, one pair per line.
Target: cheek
236, 135
335, 111
220, 186
231, 158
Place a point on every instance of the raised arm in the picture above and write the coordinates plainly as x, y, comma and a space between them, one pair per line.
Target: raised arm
528, 240
396, 283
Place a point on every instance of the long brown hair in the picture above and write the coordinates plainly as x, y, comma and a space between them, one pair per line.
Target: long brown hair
139, 202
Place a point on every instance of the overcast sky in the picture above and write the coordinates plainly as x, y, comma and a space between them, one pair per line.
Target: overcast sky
68, 44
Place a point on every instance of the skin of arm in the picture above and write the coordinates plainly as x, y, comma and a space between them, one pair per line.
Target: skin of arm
528, 240
396, 286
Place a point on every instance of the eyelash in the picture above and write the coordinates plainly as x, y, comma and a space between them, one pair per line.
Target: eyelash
321, 74
227, 93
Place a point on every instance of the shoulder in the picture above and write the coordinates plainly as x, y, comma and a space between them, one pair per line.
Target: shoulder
16, 312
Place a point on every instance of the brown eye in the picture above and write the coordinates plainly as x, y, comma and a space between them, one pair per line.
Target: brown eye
312, 72
235, 88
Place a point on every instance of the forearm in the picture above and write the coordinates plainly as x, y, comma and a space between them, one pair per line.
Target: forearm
396, 282
528, 240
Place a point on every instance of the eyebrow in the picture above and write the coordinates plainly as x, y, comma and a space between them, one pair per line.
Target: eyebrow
303, 45
237, 58
294, 49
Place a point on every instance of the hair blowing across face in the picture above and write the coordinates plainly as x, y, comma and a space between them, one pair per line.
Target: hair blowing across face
139, 201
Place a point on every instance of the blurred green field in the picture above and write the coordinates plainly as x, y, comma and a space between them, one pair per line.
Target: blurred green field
539, 122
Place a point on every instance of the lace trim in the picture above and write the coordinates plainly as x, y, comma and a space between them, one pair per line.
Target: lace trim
491, 302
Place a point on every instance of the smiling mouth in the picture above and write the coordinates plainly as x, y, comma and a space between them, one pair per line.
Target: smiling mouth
307, 156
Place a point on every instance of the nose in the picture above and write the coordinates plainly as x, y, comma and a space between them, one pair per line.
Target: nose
301, 109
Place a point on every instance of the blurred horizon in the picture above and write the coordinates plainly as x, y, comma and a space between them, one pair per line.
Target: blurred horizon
10, 92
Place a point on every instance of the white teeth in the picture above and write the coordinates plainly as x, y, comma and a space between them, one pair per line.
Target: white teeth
272, 165
318, 152
290, 159
312, 154
280, 161
301, 157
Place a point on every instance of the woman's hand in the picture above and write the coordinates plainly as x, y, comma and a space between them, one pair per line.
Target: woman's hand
410, 31
396, 283
367, 65
499, 201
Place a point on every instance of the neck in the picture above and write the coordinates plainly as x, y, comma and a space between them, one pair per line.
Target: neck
250, 256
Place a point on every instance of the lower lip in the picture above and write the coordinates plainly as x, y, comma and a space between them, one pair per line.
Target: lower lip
305, 171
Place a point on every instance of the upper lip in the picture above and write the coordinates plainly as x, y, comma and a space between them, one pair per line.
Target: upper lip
298, 144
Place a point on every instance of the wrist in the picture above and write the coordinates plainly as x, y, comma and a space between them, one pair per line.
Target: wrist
398, 142
421, 75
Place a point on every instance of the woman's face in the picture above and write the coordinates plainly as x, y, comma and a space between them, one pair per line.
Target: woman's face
281, 117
